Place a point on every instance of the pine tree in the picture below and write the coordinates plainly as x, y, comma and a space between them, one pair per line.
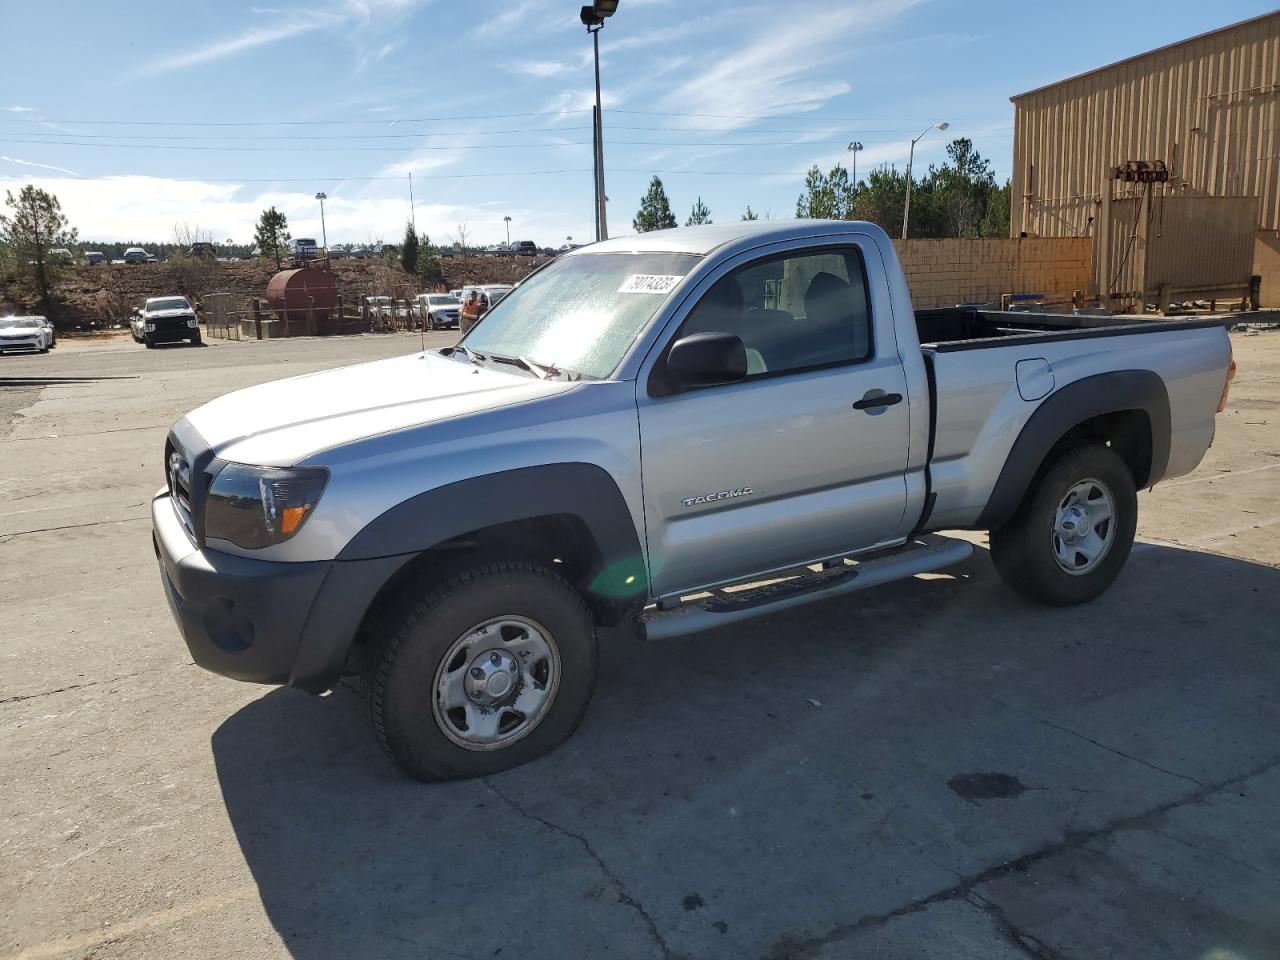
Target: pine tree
698, 214
34, 226
655, 210
409, 249
272, 234
750, 214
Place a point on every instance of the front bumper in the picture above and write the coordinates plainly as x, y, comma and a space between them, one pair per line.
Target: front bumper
22, 343
171, 334
260, 620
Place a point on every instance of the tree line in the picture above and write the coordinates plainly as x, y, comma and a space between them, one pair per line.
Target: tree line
958, 198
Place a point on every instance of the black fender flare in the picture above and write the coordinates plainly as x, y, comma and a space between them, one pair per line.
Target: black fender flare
615, 585
1066, 409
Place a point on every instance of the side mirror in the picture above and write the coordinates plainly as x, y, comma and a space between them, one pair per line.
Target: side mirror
704, 359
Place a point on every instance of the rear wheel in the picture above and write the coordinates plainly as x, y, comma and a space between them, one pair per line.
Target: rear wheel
492, 668
1071, 537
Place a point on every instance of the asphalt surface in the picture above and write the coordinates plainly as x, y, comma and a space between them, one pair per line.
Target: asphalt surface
931, 769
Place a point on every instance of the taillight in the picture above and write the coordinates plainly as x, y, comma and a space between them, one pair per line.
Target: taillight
1226, 387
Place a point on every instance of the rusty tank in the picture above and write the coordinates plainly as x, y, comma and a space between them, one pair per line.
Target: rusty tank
291, 292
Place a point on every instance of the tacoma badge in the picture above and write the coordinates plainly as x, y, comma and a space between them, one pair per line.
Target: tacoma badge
722, 495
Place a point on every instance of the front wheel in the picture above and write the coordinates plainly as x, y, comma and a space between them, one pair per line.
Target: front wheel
148, 342
1068, 542
488, 670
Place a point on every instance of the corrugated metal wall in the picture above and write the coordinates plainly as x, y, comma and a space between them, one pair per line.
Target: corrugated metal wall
1208, 107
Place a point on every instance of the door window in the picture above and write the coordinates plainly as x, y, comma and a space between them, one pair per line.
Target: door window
792, 312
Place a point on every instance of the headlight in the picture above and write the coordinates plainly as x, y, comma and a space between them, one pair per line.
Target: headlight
149, 327
192, 322
256, 507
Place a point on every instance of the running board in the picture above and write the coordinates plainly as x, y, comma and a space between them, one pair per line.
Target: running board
720, 608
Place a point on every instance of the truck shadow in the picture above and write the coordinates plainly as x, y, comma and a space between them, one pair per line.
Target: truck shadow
718, 778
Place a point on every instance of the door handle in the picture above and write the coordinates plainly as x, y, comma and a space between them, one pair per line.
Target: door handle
874, 399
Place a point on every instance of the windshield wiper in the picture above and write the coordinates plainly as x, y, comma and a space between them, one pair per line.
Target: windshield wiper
540, 370
471, 355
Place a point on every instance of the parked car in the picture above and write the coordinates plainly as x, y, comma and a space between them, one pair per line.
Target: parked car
137, 255
28, 334
168, 320
338, 253
135, 324
94, 257
524, 248
203, 251
457, 524
456, 294
62, 255
51, 335
437, 310
304, 248
361, 253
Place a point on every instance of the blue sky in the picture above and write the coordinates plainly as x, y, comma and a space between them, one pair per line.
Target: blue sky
487, 104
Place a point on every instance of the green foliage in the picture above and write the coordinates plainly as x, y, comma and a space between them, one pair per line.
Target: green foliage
409, 250
655, 210
33, 226
957, 199
428, 268
996, 222
750, 214
829, 197
698, 214
272, 235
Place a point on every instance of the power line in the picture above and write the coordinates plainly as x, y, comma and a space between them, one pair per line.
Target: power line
226, 148
51, 137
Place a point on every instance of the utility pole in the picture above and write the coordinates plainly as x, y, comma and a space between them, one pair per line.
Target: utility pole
593, 17
906, 207
413, 213
854, 147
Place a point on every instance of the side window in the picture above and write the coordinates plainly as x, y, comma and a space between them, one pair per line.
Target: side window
792, 311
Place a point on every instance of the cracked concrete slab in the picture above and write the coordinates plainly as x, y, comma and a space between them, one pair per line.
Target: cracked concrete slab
707, 808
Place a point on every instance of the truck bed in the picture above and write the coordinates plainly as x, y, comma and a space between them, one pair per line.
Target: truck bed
990, 370
949, 329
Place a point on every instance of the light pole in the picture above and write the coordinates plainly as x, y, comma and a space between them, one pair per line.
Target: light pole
508, 220
593, 17
854, 147
906, 207
324, 236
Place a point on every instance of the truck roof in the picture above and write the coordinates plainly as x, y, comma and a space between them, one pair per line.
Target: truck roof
703, 239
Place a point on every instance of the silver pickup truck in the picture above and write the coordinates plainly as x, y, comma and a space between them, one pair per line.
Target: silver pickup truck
681, 430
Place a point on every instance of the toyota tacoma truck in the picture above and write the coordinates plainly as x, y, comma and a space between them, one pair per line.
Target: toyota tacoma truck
680, 430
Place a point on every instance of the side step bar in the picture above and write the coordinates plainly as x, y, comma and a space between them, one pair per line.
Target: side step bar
921, 555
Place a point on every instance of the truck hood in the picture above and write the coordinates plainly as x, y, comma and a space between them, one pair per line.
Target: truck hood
283, 422
166, 314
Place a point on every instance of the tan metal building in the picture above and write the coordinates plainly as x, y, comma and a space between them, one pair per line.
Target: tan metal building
1203, 113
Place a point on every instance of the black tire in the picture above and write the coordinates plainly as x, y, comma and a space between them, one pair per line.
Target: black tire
1024, 549
400, 676
148, 343
196, 341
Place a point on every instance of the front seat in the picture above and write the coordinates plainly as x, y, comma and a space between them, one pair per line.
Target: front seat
834, 320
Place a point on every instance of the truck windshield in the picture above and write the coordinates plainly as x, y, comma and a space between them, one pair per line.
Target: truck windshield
583, 312
172, 303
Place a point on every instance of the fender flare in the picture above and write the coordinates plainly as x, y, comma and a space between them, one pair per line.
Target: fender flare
1066, 409
617, 582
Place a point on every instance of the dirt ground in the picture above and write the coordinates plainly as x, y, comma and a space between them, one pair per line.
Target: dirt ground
932, 769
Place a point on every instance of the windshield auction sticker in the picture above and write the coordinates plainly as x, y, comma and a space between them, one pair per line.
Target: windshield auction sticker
649, 283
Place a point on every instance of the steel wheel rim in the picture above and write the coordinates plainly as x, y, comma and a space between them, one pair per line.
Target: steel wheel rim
496, 683
1084, 527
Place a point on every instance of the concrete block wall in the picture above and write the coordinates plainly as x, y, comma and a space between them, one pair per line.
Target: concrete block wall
942, 273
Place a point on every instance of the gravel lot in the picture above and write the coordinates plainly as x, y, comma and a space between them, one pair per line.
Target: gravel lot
931, 769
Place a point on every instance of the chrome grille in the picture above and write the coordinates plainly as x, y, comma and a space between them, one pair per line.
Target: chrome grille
178, 480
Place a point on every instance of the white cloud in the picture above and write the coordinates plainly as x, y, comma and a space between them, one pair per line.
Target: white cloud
21, 109
248, 40
354, 18
43, 166
775, 73
537, 68
513, 15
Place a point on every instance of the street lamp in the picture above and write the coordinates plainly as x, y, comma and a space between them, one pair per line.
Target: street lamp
593, 17
854, 147
508, 220
906, 208
324, 236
